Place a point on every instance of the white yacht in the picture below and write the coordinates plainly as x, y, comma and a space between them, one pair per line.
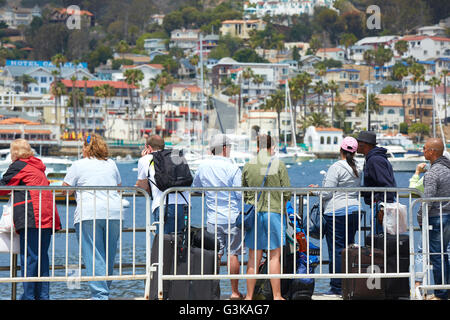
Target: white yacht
56, 167
294, 155
399, 158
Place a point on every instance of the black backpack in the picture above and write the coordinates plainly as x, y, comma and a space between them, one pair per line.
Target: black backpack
171, 169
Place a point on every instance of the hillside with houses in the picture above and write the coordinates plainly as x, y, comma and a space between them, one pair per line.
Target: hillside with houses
179, 69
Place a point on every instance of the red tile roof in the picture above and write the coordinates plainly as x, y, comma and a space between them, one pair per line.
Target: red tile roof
415, 38
327, 129
97, 83
18, 121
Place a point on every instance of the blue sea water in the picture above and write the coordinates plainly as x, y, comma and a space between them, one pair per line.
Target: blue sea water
300, 176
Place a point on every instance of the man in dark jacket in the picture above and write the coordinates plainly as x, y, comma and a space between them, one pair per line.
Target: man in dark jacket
378, 172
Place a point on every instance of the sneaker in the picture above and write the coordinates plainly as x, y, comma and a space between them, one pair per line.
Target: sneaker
333, 293
433, 297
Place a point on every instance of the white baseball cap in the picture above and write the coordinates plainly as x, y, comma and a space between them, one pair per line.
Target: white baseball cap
220, 140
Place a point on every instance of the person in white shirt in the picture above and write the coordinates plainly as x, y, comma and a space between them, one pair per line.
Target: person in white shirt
177, 203
98, 211
223, 207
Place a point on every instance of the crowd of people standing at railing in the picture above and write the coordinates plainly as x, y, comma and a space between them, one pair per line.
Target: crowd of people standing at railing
223, 208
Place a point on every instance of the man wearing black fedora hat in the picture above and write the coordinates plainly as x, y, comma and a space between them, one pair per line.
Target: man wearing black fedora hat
378, 172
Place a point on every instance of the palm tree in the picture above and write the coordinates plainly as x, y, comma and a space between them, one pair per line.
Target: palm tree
304, 81
247, 74
58, 60
382, 56
401, 47
99, 91
333, 87
319, 89
418, 72
316, 119
374, 106
163, 80
321, 70
58, 89
74, 102
444, 74
258, 79
25, 80
132, 78
369, 58
434, 82
276, 102
122, 47
153, 84
400, 73
347, 40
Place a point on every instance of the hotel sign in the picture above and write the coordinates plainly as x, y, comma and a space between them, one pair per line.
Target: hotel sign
44, 64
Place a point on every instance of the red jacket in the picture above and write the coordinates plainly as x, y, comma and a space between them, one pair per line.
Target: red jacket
30, 172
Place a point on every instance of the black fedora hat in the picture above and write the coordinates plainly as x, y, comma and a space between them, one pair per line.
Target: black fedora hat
369, 137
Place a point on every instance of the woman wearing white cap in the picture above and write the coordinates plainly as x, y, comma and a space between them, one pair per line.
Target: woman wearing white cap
341, 208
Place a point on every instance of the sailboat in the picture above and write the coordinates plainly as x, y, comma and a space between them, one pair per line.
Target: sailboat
293, 154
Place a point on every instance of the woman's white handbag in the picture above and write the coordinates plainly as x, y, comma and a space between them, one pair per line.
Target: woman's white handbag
394, 218
6, 222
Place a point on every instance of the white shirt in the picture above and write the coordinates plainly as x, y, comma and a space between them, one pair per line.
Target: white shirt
219, 171
93, 172
143, 173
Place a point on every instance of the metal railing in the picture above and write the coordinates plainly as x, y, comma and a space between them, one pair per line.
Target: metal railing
65, 252
434, 250
301, 212
65, 258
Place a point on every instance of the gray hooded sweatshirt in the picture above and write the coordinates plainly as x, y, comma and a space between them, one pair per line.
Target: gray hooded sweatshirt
341, 175
437, 184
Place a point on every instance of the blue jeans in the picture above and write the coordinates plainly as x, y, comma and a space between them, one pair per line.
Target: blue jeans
339, 237
169, 221
35, 290
99, 289
435, 247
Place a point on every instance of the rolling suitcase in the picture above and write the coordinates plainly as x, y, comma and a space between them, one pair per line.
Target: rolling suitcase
362, 288
395, 287
184, 289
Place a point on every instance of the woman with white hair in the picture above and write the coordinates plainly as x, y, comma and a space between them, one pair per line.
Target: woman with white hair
34, 213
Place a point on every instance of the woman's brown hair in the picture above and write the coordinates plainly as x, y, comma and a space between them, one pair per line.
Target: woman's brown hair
96, 147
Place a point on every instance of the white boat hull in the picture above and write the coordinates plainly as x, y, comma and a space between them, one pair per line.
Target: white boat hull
401, 164
406, 165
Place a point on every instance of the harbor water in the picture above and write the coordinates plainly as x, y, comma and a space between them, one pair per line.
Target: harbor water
301, 175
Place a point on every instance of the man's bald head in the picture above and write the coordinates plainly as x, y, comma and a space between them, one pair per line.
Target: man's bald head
433, 149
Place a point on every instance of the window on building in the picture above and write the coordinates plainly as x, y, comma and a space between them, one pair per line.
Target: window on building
391, 111
328, 140
335, 140
322, 140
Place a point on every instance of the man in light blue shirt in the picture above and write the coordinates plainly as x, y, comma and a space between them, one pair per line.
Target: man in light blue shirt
223, 207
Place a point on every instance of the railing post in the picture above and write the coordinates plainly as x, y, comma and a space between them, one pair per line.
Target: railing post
14, 274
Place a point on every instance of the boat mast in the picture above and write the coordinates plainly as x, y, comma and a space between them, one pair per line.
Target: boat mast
202, 93
294, 138
285, 107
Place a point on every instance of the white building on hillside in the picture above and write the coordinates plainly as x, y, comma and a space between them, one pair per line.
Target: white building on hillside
323, 140
150, 71
43, 73
427, 47
260, 8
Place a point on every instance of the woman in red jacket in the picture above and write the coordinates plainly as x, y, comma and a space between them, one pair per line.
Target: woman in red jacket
30, 221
